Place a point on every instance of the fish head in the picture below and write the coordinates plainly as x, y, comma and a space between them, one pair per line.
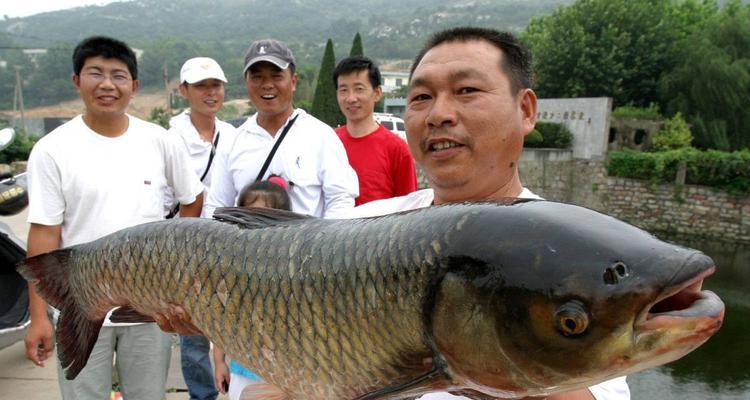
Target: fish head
543, 297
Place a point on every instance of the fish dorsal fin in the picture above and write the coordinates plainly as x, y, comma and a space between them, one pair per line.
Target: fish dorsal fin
257, 217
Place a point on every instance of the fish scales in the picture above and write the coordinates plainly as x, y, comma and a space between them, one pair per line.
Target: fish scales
483, 299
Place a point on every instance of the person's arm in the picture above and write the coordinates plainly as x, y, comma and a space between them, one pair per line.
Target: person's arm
221, 371
193, 209
580, 394
338, 180
39, 339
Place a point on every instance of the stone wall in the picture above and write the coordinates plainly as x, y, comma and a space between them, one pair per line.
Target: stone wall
695, 211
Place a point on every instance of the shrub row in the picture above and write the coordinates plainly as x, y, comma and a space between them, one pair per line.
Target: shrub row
723, 170
19, 149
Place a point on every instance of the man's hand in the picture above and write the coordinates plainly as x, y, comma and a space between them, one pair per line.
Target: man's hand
177, 320
221, 372
39, 341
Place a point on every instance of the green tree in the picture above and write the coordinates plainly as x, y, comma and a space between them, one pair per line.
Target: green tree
19, 149
160, 116
614, 48
325, 107
711, 84
675, 134
357, 49
49, 78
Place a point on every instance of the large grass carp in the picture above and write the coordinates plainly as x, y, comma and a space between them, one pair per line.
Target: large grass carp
483, 299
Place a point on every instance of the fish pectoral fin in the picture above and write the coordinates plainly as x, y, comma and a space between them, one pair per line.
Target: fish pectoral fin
262, 390
257, 217
127, 314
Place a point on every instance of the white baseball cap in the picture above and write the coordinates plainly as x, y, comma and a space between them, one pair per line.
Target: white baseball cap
201, 68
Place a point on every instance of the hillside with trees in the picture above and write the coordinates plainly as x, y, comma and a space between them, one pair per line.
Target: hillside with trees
168, 32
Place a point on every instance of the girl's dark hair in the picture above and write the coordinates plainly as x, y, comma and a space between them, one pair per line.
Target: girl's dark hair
103, 46
272, 194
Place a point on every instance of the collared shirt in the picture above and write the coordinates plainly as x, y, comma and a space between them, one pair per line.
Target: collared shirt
311, 158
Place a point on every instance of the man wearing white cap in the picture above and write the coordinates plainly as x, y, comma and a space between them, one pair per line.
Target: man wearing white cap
284, 141
202, 85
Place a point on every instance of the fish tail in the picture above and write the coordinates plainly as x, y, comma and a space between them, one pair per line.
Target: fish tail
76, 331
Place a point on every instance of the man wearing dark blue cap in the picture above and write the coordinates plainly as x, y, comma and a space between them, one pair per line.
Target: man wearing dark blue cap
308, 153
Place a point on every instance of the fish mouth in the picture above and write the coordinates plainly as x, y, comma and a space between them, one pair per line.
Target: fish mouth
682, 302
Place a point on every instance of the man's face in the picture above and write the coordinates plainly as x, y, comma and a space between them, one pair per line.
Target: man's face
205, 97
270, 88
464, 124
106, 86
356, 96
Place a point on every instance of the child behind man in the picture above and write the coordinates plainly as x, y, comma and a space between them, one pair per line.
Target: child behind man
271, 193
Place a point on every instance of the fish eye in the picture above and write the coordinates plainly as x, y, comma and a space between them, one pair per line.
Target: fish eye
614, 273
572, 318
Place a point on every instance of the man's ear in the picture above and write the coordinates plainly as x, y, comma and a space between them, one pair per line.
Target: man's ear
136, 85
295, 77
378, 93
76, 81
527, 104
183, 90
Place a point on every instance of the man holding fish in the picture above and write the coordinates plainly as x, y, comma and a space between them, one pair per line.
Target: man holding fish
469, 105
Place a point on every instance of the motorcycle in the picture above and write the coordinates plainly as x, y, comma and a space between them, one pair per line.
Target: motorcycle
14, 299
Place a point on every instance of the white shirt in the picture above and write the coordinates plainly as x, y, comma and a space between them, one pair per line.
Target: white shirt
614, 389
95, 185
198, 149
311, 157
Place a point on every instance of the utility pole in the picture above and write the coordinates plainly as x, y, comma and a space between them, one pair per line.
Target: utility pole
166, 86
18, 97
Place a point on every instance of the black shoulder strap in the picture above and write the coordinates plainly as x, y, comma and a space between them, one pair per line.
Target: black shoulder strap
176, 209
275, 146
211, 156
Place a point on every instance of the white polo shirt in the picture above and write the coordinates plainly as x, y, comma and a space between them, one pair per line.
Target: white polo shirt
311, 158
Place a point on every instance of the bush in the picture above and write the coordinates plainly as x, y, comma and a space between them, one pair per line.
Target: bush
19, 149
160, 116
533, 139
674, 135
723, 170
651, 112
554, 135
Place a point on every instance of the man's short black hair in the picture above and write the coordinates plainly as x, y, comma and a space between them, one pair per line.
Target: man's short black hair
106, 47
356, 64
516, 60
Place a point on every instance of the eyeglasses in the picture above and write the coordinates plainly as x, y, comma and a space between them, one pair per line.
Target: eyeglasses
118, 78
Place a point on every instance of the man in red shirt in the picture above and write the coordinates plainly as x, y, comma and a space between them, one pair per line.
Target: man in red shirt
382, 160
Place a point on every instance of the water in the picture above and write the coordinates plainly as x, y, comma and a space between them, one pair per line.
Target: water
720, 369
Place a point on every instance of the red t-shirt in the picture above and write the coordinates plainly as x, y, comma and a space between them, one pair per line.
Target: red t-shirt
383, 163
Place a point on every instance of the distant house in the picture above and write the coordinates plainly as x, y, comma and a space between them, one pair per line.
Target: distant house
34, 54
395, 106
393, 80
